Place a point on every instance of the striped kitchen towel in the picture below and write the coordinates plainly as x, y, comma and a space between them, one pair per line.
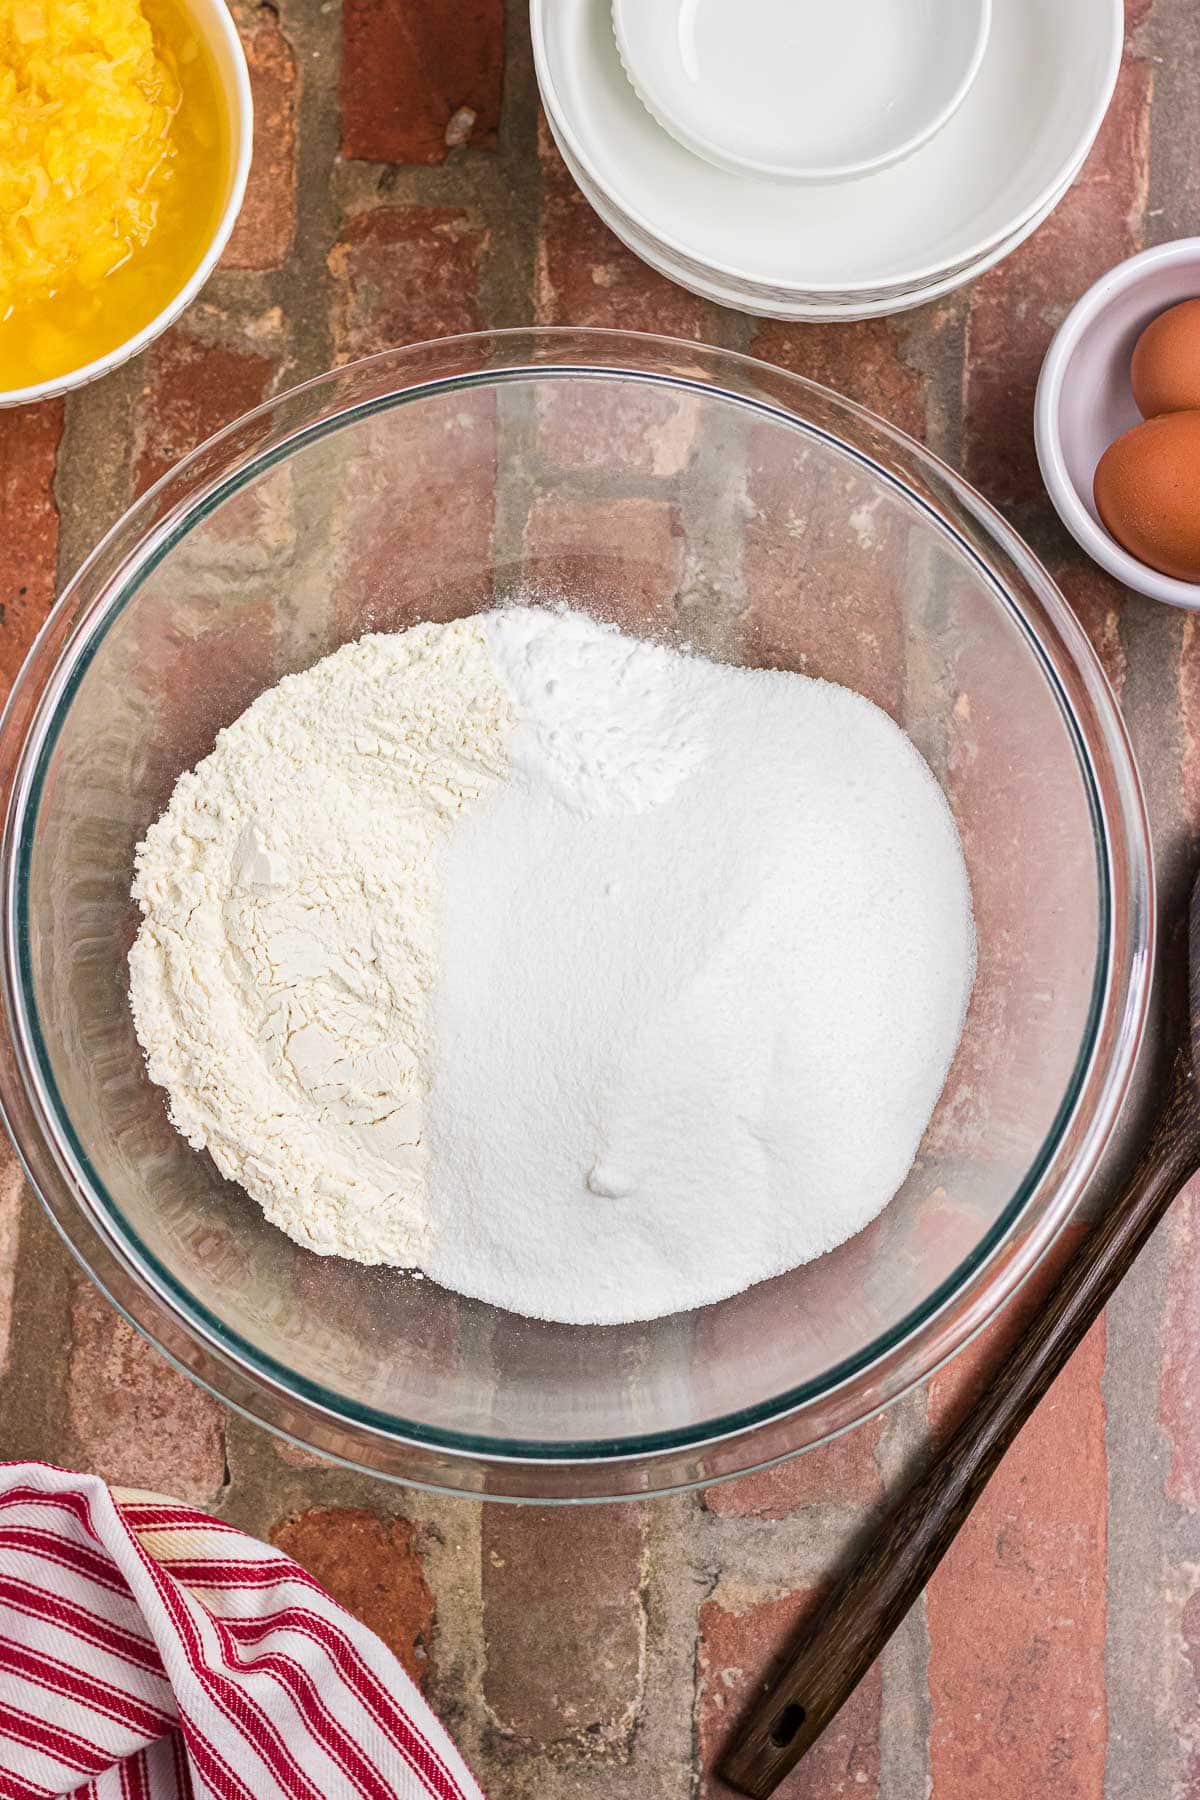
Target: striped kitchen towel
148, 1652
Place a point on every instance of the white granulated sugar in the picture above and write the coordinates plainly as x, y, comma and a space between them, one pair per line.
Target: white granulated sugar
597, 980
689, 1034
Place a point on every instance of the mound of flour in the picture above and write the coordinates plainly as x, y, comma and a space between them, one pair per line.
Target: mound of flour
291, 902
597, 980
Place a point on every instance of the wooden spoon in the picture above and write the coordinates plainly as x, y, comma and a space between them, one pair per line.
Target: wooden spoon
863, 1610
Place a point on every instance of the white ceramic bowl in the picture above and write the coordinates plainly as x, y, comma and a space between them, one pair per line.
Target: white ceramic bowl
827, 309
995, 165
214, 23
1084, 400
801, 90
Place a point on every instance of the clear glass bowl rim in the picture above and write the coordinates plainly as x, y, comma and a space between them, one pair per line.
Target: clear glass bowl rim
145, 1291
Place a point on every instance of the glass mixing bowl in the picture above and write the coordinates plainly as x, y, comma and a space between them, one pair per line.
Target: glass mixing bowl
691, 495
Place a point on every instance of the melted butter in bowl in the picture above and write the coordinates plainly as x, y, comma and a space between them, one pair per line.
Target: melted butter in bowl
117, 154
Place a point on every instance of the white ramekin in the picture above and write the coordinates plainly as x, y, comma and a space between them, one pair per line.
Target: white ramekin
1084, 400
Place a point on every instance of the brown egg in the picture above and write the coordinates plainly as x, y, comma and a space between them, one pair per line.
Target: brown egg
1165, 371
1148, 493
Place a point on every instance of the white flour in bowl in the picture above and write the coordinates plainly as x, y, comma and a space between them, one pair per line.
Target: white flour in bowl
597, 980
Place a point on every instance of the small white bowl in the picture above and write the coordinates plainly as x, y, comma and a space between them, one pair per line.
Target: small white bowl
213, 21
992, 167
1084, 400
802, 90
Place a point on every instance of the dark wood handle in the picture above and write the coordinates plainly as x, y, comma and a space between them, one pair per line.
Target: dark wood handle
863, 1610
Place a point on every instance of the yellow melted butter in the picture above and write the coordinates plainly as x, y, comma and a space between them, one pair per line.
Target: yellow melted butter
114, 166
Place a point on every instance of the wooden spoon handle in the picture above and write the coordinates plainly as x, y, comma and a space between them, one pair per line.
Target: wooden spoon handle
863, 1610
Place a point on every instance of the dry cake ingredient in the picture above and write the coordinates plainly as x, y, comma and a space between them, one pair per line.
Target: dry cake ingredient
597, 979
281, 976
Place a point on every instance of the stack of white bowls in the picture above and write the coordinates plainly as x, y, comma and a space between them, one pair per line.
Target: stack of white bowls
825, 159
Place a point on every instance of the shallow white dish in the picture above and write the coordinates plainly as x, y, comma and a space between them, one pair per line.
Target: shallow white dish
823, 309
998, 161
1084, 400
802, 90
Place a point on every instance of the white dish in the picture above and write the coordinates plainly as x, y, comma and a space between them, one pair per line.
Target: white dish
1084, 400
802, 90
795, 309
995, 164
214, 22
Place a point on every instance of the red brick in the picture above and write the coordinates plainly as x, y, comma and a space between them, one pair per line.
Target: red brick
1178, 1394
1019, 806
403, 274
1189, 1635
202, 672
266, 226
1097, 602
865, 361
843, 1472
1189, 711
740, 1649
621, 559
824, 571
12, 1189
1019, 1707
563, 1623
416, 515
420, 76
372, 1567
1016, 308
826, 594
133, 1418
609, 426
586, 276
190, 389
29, 439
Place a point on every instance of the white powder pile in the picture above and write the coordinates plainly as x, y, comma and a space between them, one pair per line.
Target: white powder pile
597, 980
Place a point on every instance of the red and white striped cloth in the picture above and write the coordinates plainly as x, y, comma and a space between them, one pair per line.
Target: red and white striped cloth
148, 1652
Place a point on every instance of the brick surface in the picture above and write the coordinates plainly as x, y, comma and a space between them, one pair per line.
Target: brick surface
203, 674
133, 1418
1098, 603
1012, 781
191, 388
643, 431
1016, 308
740, 1648
843, 1472
29, 440
420, 77
545, 1570
586, 276
372, 1566
1020, 1707
416, 512
12, 1189
266, 225
1188, 686
1178, 1394
864, 360
622, 558
404, 273
825, 592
